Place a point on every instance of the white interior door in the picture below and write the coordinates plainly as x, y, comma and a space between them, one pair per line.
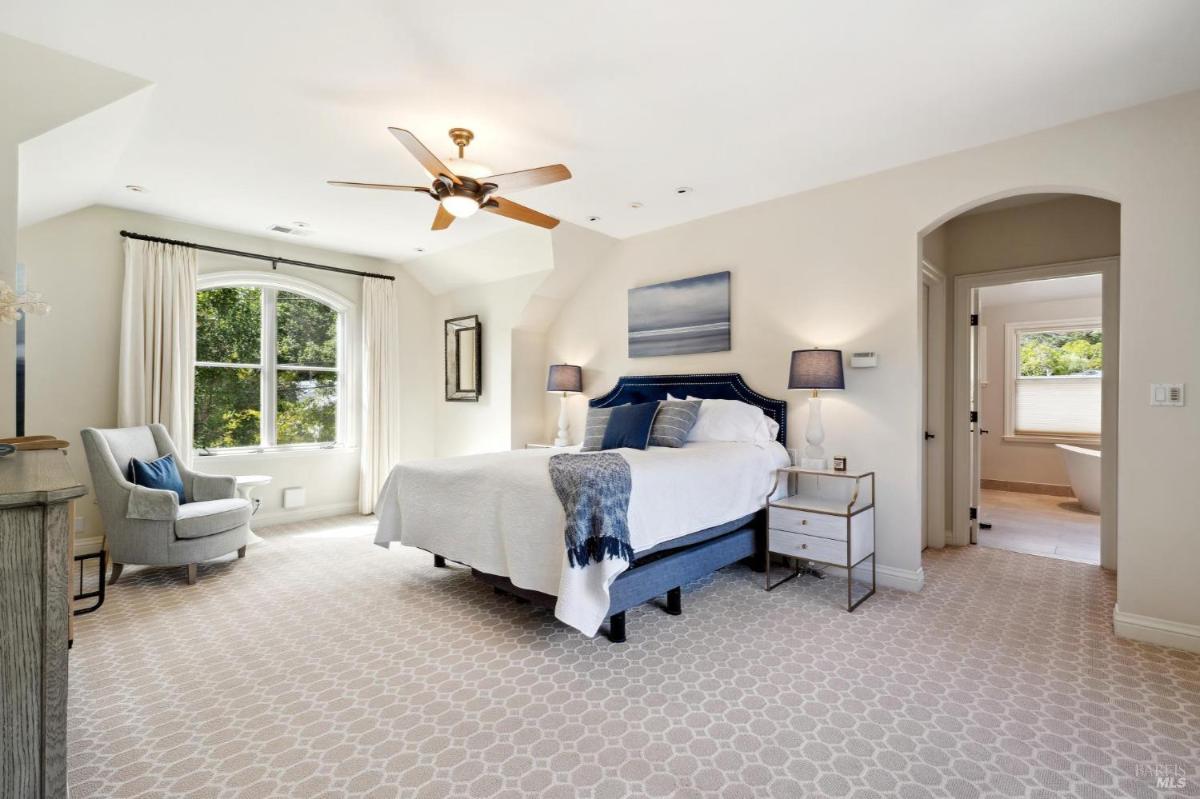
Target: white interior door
926, 366
976, 431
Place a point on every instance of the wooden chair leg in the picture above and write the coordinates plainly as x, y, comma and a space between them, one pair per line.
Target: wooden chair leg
116, 572
242, 551
191, 573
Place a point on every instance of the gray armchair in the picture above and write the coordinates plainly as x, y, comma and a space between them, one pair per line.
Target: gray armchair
148, 526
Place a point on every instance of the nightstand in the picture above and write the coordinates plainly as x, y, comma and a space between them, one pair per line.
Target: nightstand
827, 517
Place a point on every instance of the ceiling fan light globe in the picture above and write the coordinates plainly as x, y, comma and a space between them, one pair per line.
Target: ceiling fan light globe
468, 169
460, 206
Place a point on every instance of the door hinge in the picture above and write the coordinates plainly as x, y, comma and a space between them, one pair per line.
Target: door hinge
974, 417
974, 514
974, 320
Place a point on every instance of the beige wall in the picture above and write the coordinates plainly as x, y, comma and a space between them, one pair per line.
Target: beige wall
1021, 461
77, 261
40, 89
465, 428
837, 266
1066, 229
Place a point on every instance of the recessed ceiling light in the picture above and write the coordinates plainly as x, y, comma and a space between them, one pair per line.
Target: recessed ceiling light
419, 249
136, 188
684, 190
635, 205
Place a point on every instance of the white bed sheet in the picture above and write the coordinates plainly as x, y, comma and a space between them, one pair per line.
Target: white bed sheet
498, 512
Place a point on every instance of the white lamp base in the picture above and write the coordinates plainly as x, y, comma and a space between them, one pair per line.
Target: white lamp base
814, 453
561, 439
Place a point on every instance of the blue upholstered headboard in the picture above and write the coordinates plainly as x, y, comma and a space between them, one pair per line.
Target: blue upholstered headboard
647, 388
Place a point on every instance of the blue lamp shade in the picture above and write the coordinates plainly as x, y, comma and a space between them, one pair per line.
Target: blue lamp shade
564, 377
817, 369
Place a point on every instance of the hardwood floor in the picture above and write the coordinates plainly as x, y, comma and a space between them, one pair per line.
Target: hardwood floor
1055, 527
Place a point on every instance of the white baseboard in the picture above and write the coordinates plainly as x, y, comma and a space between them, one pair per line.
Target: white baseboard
886, 576
302, 514
903, 579
1156, 631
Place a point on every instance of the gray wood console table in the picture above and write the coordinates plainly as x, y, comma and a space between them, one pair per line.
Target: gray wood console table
36, 491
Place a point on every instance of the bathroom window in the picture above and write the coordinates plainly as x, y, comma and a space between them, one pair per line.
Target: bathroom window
1053, 377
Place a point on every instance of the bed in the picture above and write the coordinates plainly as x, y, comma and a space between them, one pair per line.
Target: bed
692, 510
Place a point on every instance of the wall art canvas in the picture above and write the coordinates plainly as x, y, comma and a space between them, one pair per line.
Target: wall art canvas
680, 317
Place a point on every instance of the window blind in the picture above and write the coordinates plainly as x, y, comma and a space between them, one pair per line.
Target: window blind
1059, 404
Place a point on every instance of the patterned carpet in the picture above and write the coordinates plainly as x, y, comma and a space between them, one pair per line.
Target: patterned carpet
322, 666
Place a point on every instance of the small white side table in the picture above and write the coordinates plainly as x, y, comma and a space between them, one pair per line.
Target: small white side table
246, 483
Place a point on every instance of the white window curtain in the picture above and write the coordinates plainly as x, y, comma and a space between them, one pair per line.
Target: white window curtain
158, 339
381, 438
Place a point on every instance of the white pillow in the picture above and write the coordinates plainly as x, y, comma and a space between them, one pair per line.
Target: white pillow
732, 420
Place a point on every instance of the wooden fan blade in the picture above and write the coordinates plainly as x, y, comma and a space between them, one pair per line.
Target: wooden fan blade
512, 210
429, 161
442, 219
385, 186
528, 178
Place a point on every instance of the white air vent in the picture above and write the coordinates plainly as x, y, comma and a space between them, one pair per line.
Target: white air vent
291, 231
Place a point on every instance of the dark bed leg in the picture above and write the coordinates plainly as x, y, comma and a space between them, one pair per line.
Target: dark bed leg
675, 601
758, 561
439, 562
616, 628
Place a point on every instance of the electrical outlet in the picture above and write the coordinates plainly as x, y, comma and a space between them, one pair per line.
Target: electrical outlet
1167, 394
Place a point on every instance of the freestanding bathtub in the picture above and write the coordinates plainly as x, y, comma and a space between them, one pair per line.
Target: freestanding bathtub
1083, 470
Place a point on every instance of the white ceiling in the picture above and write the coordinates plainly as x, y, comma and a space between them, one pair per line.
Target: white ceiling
255, 105
1059, 288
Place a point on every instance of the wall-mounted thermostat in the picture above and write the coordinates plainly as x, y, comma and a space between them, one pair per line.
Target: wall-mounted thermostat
1166, 394
863, 360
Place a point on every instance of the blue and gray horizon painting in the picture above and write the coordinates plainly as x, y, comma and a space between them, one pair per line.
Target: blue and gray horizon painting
680, 317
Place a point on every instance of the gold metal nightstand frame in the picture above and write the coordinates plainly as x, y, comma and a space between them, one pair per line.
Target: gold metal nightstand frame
850, 513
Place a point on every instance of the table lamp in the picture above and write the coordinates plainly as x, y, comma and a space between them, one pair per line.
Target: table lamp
816, 369
568, 379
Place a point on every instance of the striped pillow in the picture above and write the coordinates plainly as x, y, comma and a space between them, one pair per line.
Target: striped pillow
674, 421
593, 433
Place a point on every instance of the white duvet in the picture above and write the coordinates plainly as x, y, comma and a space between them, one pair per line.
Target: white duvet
499, 514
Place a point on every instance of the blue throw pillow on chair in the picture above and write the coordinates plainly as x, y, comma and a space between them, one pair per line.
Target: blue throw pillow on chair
162, 473
629, 426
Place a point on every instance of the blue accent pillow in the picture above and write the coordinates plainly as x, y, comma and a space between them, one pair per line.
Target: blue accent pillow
629, 426
162, 473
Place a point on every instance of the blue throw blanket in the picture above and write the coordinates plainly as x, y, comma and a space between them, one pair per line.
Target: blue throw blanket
594, 491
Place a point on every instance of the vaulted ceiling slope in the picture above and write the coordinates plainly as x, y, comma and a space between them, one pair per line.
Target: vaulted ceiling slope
255, 105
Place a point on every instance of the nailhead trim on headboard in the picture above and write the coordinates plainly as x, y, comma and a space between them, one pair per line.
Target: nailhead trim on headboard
732, 383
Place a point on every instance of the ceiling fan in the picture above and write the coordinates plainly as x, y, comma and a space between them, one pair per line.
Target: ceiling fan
468, 187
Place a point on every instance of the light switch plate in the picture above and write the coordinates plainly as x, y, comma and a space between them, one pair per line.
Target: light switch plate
1167, 394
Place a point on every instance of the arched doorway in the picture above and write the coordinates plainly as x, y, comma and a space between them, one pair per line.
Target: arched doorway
1040, 244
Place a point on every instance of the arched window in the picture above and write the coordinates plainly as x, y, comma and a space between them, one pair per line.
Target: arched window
271, 358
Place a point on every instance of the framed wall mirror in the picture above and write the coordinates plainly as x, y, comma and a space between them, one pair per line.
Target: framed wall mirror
464, 359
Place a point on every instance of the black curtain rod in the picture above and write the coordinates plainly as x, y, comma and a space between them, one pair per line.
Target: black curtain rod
273, 259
